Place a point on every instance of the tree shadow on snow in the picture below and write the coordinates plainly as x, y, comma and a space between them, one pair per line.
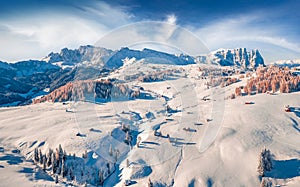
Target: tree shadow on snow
150, 142
179, 143
36, 175
295, 125
209, 182
145, 147
12, 159
285, 169
296, 110
26, 170
192, 183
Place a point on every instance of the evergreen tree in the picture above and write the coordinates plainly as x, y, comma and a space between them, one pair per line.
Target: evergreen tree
110, 150
65, 155
150, 184
40, 156
128, 138
265, 183
71, 175
108, 168
265, 162
84, 155
49, 155
63, 169
36, 155
44, 163
58, 169
117, 153
60, 153
101, 177
138, 141
53, 163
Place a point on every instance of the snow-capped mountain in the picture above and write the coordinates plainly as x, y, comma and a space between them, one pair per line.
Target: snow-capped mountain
24, 80
88, 55
101, 57
289, 63
240, 57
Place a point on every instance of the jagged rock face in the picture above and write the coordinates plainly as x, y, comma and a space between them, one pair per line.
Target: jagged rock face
93, 55
101, 57
237, 57
256, 59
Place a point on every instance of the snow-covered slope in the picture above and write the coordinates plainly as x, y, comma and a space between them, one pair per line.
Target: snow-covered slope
205, 140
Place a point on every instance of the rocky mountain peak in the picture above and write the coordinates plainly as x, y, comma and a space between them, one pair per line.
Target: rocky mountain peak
236, 57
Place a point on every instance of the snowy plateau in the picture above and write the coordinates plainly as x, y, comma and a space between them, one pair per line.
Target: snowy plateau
97, 117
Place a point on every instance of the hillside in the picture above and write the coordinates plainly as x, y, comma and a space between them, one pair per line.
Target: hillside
205, 138
25, 80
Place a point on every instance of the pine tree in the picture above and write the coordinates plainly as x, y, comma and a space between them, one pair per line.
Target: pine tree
265, 183
60, 153
40, 156
84, 155
127, 138
117, 153
110, 150
150, 184
53, 163
49, 155
265, 162
101, 178
65, 155
108, 168
44, 163
36, 155
63, 168
138, 141
71, 175
58, 169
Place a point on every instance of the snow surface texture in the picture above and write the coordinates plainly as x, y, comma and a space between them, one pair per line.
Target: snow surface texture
213, 142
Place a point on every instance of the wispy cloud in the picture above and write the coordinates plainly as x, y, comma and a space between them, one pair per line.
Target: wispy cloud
37, 34
246, 31
40, 32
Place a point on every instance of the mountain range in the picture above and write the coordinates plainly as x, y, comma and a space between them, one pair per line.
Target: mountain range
24, 80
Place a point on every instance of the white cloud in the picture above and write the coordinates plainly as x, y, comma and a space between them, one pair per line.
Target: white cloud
34, 36
243, 31
171, 19
155, 35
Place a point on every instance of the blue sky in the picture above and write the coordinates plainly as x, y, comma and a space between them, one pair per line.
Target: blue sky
30, 29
